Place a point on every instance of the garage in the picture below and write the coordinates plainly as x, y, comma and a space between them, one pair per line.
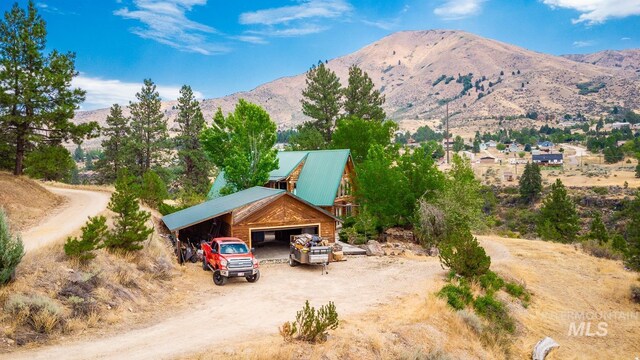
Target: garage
259, 216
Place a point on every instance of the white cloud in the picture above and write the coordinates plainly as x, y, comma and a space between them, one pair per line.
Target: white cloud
252, 39
598, 11
165, 21
458, 9
308, 9
102, 93
583, 43
382, 24
625, 38
296, 20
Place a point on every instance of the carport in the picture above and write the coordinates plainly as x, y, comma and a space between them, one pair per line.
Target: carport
258, 215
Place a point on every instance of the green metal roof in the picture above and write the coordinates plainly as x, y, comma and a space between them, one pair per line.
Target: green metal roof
320, 177
287, 162
216, 207
319, 180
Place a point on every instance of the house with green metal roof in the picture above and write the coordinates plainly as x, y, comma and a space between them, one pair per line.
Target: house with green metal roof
323, 178
252, 215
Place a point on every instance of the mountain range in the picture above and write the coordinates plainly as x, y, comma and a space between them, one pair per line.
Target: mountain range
421, 71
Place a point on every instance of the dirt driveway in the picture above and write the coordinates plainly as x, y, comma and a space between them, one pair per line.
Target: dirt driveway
239, 310
68, 218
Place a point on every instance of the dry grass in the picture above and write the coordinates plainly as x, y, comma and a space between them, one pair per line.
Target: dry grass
54, 295
25, 200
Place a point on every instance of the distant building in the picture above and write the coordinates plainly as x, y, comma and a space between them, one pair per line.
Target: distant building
545, 144
492, 143
620, 125
548, 159
508, 176
514, 147
483, 146
487, 160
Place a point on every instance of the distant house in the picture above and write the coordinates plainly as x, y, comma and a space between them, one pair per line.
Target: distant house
620, 125
514, 147
492, 143
483, 146
545, 144
535, 152
487, 160
548, 159
508, 176
636, 126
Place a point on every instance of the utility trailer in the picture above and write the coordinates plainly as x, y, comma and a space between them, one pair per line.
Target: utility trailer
310, 252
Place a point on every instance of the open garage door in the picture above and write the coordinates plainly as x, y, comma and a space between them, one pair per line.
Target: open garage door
273, 243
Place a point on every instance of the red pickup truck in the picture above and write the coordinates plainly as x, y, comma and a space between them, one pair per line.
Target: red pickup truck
229, 257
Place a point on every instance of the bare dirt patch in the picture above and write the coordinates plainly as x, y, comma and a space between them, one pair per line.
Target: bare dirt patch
25, 201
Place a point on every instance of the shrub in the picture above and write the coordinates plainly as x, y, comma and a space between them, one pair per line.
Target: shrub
472, 320
594, 248
491, 282
635, 294
311, 325
39, 312
458, 297
93, 232
462, 253
619, 244
517, 290
11, 250
494, 311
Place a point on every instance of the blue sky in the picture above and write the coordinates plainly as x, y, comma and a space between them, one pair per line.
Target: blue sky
223, 46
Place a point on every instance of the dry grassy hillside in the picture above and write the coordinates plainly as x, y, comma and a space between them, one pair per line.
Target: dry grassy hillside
622, 59
406, 65
24, 200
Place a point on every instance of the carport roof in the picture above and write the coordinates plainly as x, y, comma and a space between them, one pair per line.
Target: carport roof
216, 207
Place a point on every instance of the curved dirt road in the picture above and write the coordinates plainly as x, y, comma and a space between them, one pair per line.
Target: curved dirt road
238, 311
68, 218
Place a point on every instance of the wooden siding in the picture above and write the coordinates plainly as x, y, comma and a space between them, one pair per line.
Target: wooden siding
285, 211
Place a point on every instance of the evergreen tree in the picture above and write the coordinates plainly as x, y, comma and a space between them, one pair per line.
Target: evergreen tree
130, 228
321, 98
148, 128
476, 146
78, 154
242, 145
307, 137
638, 170
558, 219
458, 143
115, 145
361, 100
36, 99
11, 250
530, 183
462, 253
153, 191
93, 233
53, 163
196, 167
597, 230
613, 154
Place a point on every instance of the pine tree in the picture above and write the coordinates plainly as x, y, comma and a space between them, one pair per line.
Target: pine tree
11, 250
115, 145
93, 233
462, 253
36, 99
597, 230
195, 165
321, 98
153, 191
130, 228
530, 183
476, 146
361, 99
242, 145
558, 219
458, 143
78, 154
149, 137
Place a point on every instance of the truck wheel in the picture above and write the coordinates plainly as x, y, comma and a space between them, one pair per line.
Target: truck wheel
253, 278
205, 267
292, 262
218, 279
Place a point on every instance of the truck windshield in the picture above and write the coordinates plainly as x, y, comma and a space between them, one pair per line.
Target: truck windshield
233, 249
